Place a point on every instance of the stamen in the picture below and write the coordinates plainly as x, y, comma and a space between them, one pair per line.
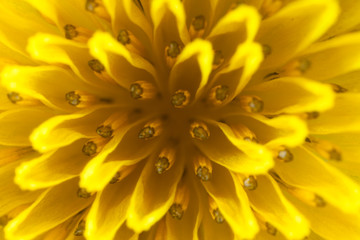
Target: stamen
14, 97
199, 131
218, 217
218, 59
166, 159
266, 50
252, 104
162, 165
285, 155
123, 37
73, 98
104, 131
319, 201
150, 130
270, 229
218, 94
79, 231
312, 115
304, 65
82, 193
203, 173
176, 211
97, 7
89, 148
202, 167
115, 179
250, 183
142, 90
4, 220
96, 65
78, 34
327, 149
180, 99
197, 27
172, 51
338, 88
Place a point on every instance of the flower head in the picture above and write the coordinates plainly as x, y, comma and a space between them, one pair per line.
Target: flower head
169, 119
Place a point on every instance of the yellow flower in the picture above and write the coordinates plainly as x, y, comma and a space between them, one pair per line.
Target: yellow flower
169, 119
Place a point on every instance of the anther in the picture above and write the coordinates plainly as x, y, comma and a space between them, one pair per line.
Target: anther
82, 193
327, 150
199, 131
96, 65
150, 130
162, 164
270, 229
218, 94
89, 148
243, 132
285, 155
266, 50
142, 90
252, 104
73, 98
78, 34
115, 178
319, 201
338, 88
303, 65
104, 131
14, 97
123, 37
4, 220
79, 231
180, 99
203, 173
176, 211
271, 76
147, 132
218, 217
97, 7
197, 27
218, 59
172, 51
250, 183
312, 115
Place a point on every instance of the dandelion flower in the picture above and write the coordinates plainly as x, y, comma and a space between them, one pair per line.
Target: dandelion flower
169, 119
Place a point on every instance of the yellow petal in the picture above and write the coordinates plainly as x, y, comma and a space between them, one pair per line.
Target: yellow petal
198, 57
345, 112
232, 203
348, 19
268, 201
294, 95
348, 81
125, 67
309, 172
238, 26
242, 65
50, 209
54, 49
63, 130
20, 19
108, 212
52, 168
169, 24
11, 196
221, 150
17, 125
159, 192
329, 222
305, 22
282, 130
129, 151
42, 82
66, 12
125, 14
324, 57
